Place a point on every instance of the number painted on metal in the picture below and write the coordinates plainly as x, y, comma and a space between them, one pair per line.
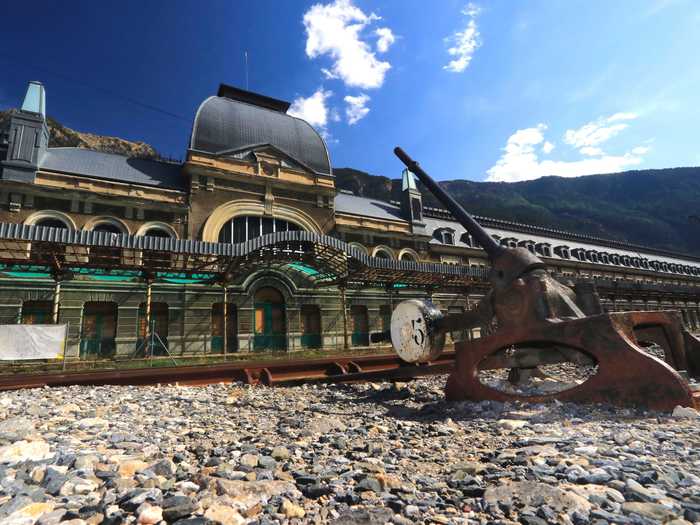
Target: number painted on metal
412, 331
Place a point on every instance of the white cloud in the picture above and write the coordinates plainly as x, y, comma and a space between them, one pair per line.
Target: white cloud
622, 116
640, 150
335, 30
520, 160
356, 108
384, 39
597, 132
591, 151
464, 43
312, 109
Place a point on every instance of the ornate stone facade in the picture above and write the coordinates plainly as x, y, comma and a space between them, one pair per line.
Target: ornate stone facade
250, 170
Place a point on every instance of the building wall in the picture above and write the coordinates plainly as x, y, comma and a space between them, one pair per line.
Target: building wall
271, 186
82, 209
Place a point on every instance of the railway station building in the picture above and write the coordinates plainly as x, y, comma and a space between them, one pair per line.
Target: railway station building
248, 246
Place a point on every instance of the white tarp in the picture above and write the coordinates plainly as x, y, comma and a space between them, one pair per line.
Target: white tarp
32, 341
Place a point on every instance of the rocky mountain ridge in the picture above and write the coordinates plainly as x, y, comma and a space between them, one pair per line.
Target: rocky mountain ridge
62, 136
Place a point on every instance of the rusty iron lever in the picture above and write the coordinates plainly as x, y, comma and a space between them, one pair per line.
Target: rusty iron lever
533, 320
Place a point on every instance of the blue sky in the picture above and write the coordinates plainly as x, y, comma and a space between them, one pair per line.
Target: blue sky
490, 90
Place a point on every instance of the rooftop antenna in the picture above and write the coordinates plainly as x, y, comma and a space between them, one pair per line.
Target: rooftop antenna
246, 70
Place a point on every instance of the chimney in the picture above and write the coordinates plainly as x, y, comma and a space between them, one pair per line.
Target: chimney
35, 99
411, 201
28, 137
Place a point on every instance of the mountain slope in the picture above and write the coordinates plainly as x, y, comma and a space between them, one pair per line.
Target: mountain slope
657, 208
61, 136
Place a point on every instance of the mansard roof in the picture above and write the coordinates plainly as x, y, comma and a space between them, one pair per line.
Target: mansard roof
108, 166
348, 203
223, 124
352, 204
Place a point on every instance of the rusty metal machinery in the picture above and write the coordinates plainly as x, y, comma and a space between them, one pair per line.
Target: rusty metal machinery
535, 321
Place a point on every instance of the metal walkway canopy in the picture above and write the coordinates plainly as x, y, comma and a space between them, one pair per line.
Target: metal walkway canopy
28, 251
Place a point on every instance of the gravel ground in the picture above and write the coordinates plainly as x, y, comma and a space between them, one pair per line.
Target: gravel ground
344, 454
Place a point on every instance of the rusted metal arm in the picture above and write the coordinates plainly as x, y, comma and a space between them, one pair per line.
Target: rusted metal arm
492, 248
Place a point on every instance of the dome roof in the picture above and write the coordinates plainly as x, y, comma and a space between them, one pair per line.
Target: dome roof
225, 125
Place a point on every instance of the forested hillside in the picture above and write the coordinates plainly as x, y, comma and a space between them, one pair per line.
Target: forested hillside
658, 208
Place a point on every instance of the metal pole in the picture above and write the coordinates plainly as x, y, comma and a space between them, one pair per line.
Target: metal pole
152, 342
299, 328
149, 295
56, 300
65, 344
225, 311
346, 344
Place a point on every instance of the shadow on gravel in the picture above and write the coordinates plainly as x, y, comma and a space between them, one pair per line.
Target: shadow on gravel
421, 406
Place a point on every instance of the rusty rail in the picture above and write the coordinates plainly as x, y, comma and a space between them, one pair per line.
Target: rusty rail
332, 369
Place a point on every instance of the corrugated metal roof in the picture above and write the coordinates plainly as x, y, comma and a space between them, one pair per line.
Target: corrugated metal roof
345, 203
112, 167
33, 233
222, 125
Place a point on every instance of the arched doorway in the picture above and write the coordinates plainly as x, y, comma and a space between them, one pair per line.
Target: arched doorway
99, 331
310, 326
159, 325
360, 325
270, 322
217, 328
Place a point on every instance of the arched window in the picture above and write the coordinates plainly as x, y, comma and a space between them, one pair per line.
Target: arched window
37, 312
359, 247
48, 252
157, 259
105, 256
51, 223
247, 227
408, 256
382, 254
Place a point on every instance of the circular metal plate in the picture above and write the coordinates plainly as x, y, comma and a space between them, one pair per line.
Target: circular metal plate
413, 333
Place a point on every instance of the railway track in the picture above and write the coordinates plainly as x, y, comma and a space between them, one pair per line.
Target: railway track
332, 369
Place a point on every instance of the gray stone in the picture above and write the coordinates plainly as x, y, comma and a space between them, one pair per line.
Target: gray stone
164, 467
638, 492
176, 512
653, 511
267, 462
249, 460
280, 453
15, 429
369, 484
371, 516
